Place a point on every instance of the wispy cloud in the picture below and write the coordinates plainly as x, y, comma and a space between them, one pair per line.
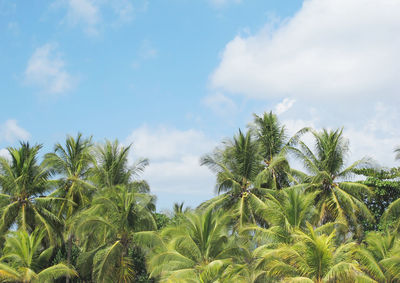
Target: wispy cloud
10, 131
284, 106
85, 12
147, 51
46, 70
93, 15
220, 103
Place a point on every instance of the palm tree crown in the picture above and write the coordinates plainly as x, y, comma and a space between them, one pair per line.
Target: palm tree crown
237, 166
24, 184
73, 163
25, 260
338, 200
111, 166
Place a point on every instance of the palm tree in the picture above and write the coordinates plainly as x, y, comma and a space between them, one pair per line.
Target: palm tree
197, 250
24, 184
312, 258
379, 257
286, 211
274, 143
72, 163
106, 232
271, 135
111, 166
337, 200
25, 260
237, 165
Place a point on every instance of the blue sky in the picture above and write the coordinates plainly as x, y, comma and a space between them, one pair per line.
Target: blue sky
176, 77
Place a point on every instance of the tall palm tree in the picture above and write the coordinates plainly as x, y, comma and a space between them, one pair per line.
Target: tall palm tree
111, 166
271, 135
237, 165
274, 142
24, 184
72, 163
106, 232
25, 260
196, 250
337, 200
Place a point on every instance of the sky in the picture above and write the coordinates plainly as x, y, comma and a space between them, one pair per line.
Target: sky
174, 78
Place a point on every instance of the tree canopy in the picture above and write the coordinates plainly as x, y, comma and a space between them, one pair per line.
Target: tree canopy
285, 210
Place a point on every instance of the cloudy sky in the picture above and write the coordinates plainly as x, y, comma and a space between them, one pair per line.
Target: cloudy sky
176, 77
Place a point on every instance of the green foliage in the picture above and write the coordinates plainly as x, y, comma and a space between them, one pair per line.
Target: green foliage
84, 215
385, 187
199, 248
106, 232
162, 220
237, 165
139, 265
111, 165
73, 163
273, 142
24, 183
61, 255
338, 200
378, 257
26, 260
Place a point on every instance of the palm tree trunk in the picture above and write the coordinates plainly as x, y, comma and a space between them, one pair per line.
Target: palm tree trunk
69, 249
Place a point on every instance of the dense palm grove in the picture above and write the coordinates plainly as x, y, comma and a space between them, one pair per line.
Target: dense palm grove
83, 214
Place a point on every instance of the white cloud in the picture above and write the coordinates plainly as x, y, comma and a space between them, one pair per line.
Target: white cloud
378, 137
92, 15
174, 160
10, 131
124, 9
339, 57
85, 12
220, 103
330, 50
4, 153
369, 144
46, 70
284, 106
